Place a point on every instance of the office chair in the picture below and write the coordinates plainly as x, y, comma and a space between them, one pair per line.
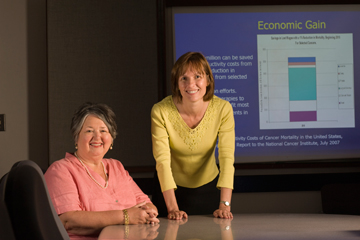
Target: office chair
29, 205
6, 231
3, 181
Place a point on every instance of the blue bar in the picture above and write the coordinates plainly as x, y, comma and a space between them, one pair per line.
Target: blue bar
302, 84
301, 59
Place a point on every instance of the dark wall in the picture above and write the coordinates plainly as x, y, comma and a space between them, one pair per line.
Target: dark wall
37, 96
103, 51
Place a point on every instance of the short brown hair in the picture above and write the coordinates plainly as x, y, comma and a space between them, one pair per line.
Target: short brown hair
199, 63
100, 110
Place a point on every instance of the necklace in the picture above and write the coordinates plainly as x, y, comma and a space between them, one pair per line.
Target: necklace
107, 178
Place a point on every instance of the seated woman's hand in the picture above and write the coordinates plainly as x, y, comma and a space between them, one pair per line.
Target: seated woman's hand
140, 214
150, 209
177, 215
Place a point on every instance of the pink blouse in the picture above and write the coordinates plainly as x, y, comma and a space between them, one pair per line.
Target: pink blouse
71, 188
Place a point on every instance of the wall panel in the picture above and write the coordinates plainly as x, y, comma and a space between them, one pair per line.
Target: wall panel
103, 51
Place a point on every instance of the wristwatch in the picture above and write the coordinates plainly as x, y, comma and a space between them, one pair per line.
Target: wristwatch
226, 203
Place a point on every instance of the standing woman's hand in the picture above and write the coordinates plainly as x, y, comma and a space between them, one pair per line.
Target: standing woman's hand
172, 207
222, 213
177, 215
224, 210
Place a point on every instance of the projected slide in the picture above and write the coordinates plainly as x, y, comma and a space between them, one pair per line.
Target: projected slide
291, 77
306, 81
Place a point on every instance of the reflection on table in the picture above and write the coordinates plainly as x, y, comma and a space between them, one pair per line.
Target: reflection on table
244, 226
194, 228
142, 231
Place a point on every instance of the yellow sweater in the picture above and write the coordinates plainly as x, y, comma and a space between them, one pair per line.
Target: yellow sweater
185, 156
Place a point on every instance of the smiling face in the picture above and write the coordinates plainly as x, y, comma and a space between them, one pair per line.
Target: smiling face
192, 85
94, 139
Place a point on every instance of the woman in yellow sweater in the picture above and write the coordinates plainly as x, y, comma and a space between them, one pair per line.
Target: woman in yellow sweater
186, 127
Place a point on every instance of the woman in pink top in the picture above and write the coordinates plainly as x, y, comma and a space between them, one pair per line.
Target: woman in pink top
89, 191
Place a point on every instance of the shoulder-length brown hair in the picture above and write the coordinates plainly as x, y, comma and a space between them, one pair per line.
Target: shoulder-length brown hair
197, 62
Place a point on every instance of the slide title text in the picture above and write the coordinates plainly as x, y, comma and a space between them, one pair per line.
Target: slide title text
291, 25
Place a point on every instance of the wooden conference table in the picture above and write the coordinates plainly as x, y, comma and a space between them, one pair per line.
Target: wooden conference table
244, 227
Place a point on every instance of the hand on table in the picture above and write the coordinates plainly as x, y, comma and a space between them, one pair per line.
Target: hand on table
150, 209
142, 213
177, 215
222, 213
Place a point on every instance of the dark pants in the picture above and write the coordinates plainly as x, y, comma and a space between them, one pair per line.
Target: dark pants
194, 201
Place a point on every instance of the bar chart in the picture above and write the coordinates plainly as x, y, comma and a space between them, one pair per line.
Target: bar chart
302, 88
306, 81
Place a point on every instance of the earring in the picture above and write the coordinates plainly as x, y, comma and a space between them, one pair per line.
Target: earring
75, 145
111, 146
